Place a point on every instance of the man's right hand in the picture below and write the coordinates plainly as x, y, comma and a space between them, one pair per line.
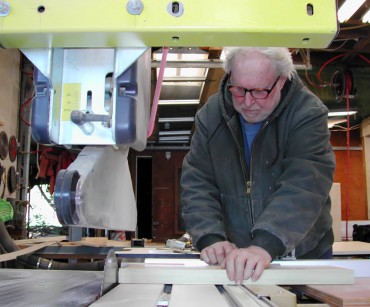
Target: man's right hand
216, 253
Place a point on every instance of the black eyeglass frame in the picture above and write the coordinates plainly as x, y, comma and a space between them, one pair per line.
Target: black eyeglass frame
268, 91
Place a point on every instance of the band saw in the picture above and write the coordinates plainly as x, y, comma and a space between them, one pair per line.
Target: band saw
92, 89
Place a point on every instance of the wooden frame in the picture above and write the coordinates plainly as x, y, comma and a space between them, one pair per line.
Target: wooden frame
179, 222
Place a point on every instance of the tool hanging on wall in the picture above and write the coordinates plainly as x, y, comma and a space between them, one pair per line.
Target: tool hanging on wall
3, 145
12, 180
343, 84
52, 160
2, 181
13, 148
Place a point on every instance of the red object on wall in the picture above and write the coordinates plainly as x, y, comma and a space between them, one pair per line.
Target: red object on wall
52, 160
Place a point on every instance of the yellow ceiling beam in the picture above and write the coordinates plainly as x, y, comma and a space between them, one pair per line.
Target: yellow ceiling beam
107, 23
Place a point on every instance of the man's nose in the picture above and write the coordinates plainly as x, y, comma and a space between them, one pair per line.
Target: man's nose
249, 99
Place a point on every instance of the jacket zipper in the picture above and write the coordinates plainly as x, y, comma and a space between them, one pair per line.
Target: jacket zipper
241, 159
245, 173
248, 183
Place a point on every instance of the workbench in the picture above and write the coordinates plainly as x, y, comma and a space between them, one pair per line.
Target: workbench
82, 288
190, 295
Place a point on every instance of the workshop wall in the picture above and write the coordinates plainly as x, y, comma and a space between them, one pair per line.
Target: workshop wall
166, 208
9, 106
350, 173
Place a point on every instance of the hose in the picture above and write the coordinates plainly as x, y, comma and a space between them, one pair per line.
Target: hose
31, 261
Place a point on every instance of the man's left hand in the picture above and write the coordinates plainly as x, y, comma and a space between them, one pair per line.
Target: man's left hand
245, 263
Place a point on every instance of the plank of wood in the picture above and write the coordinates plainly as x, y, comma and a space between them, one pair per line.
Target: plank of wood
275, 275
335, 211
360, 267
197, 295
40, 240
139, 295
357, 294
21, 252
351, 248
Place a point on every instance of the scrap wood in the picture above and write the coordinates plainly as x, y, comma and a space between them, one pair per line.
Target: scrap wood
61, 241
101, 242
21, 252
40, 240
95, 242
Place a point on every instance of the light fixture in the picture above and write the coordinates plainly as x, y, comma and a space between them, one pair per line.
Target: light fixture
174, 138
175, 119
341, 113
366, 17
179, 102
175, 132
348, 8
333, 122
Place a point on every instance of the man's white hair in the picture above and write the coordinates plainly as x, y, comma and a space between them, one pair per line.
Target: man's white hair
281, 58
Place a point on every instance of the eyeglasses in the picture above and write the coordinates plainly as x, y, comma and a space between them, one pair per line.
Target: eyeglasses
256, 93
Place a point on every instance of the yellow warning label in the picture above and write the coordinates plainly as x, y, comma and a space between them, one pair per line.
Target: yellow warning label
71, 99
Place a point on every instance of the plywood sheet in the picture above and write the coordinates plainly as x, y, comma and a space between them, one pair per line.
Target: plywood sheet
276, 275
357, 294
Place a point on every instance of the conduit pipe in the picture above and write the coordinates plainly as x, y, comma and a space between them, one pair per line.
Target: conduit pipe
157, 92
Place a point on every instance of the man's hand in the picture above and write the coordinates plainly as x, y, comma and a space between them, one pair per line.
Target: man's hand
216, 253
245, 263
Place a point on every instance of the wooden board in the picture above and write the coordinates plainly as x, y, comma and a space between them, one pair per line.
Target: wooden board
142, 295
196, 295
40, 240
336, 211
275, 275
357, 294
360, 267
21, 252
351, 248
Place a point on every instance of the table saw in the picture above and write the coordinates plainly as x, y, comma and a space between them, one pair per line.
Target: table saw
161, 283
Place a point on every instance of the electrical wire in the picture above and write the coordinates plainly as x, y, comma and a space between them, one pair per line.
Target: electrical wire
354, 27
348, 156
311, 83
340, 46
21, 110
344, 129
325, 64
37, 161
364, 58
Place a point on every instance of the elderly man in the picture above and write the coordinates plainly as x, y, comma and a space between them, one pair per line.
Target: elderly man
256, 180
